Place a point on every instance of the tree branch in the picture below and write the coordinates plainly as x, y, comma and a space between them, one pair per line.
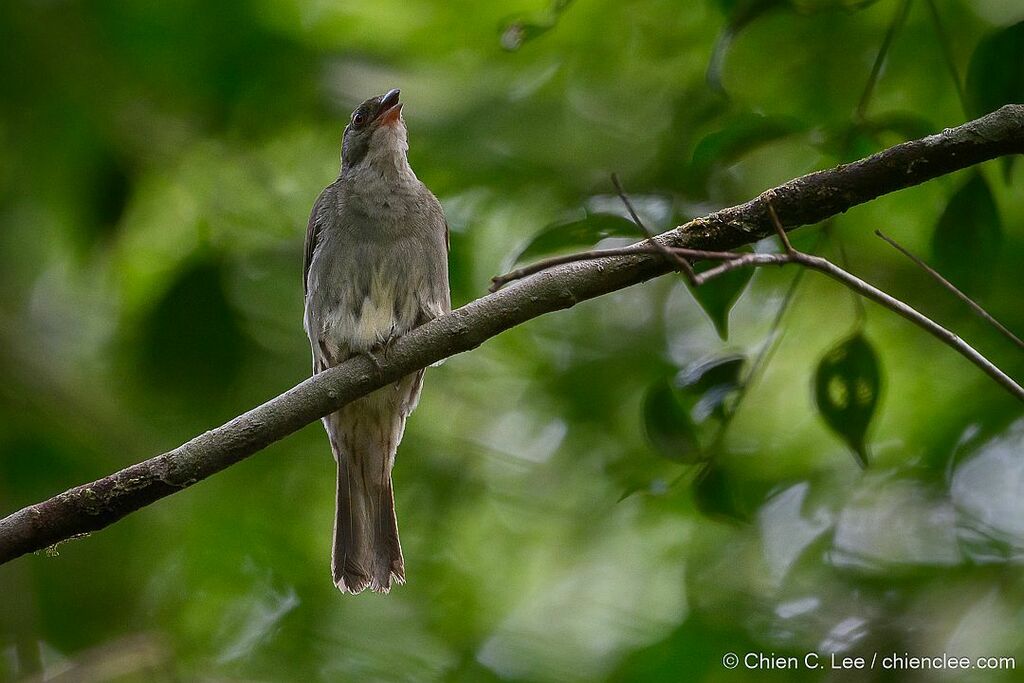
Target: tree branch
805, 200
733, 261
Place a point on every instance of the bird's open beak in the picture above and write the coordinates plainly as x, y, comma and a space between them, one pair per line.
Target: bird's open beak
390, 108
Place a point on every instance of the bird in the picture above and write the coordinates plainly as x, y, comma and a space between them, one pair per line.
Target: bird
375, 267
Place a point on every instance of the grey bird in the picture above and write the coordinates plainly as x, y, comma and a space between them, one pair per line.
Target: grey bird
375, 267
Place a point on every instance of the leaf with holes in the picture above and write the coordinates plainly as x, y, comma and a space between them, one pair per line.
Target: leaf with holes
968, 236
669, 426
719, 295
846, 389
585, 232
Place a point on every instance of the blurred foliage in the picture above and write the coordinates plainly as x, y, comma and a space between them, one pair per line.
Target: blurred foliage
613, 492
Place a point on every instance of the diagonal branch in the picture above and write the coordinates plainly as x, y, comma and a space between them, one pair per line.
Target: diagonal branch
803, 201
734, 261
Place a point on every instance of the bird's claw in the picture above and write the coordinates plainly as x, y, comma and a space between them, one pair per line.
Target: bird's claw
379, 354
372, 355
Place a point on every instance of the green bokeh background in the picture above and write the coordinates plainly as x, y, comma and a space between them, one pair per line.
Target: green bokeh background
157, 164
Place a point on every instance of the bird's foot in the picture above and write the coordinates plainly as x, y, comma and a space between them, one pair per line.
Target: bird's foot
379, 354
376, 360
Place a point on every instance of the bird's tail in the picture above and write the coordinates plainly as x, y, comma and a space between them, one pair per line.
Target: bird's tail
367, 553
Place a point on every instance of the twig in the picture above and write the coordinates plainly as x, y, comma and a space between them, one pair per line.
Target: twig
499, 281
764, 354
757, 366
858, 303
853, 283
779, 230
744, 261
680, 263
975, 306
927, 324
883, 50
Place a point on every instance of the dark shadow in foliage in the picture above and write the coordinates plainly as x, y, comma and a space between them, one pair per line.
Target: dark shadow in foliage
30, 463
192, 340
112, 185
996, 73
716, 495
682, 420
668, 425
218, 58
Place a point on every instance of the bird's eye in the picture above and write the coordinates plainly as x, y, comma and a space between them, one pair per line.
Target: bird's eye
358, 119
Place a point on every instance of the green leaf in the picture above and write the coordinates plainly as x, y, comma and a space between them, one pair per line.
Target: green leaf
110, 194
846, 389
740, 136
968, 236
669, 426
715, 495
519, 30
584, 232
996, 73
718, 296
712, 384
740, 13
995, 76
857, 140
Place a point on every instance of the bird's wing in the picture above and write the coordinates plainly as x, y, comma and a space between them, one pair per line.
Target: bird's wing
440, 296
313, 228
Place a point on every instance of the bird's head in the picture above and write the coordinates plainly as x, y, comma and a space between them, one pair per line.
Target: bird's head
376, 135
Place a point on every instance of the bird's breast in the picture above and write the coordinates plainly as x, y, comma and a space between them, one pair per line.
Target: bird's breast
368, 292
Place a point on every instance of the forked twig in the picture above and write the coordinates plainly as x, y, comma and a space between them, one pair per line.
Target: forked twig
499, 281
678, 262
732, 261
